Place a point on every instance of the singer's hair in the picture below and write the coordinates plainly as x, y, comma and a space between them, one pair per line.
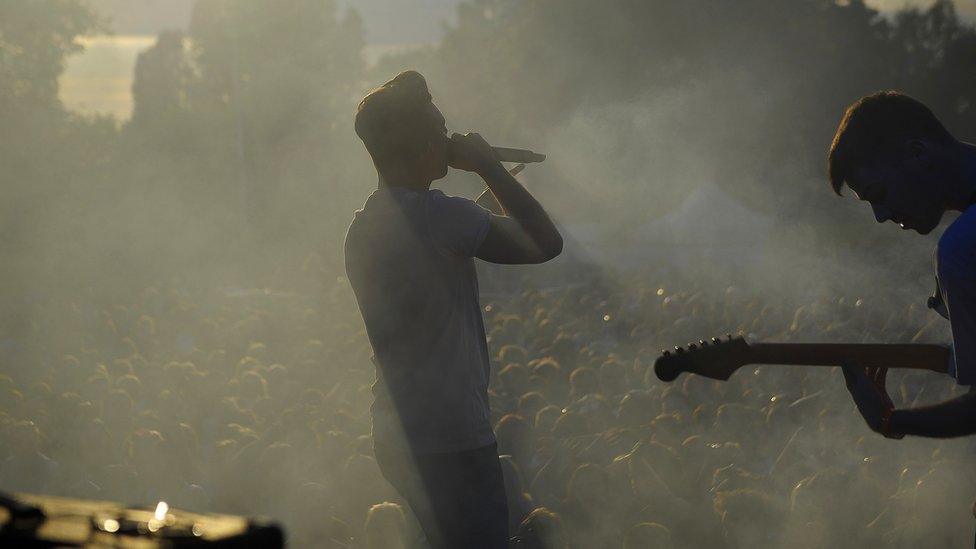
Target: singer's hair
875, 128
394, 119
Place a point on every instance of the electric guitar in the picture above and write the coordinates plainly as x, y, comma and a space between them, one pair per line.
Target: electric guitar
720, 358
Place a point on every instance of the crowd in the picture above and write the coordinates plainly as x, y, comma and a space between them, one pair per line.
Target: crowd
255, 402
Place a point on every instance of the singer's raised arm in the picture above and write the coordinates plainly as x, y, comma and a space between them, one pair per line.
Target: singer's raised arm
525, 233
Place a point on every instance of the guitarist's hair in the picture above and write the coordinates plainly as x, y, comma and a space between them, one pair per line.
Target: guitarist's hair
874, 128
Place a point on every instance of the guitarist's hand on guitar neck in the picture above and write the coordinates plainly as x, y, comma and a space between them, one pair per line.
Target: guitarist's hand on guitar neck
865, 367
867, 388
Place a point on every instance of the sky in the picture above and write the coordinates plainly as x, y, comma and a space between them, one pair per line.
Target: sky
99, 80
387, 21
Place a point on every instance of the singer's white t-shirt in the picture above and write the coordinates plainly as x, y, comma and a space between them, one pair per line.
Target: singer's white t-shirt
409, 258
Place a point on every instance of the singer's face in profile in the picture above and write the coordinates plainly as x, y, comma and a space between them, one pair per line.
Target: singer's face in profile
439, 140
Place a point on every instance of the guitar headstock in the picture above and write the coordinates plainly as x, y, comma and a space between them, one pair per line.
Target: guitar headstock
716, 359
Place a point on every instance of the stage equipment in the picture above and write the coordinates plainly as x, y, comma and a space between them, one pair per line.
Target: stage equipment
35, 521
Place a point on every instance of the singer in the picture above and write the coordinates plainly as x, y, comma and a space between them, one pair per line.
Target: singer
409, 258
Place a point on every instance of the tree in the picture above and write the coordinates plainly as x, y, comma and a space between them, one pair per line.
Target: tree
35, 38
45, 152
278, 79
162, 78
644, 99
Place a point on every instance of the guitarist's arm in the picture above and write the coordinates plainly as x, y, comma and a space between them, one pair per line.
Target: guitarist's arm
956, 417
953, 418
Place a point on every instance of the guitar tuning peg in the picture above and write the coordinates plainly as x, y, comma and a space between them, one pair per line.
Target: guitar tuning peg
716, 341
728, 336
666, 352
703, 343
692, 346
678, 350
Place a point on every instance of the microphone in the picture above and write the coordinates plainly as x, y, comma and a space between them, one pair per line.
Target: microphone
522, 156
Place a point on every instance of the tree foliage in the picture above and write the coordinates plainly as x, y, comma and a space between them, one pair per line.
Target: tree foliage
671, 94
42, 147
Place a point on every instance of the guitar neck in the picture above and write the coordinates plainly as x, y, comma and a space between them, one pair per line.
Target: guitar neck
919, 356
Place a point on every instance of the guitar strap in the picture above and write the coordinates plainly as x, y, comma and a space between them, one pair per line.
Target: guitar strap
935, 301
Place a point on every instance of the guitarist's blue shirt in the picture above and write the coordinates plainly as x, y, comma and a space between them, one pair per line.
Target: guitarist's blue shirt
956, 268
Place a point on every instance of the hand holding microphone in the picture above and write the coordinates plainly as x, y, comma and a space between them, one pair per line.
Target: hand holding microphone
470, 152
522, 156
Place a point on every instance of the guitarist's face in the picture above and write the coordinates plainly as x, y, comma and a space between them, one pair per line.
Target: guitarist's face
899, 191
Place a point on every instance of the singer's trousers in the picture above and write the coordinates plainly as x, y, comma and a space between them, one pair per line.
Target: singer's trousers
458, 497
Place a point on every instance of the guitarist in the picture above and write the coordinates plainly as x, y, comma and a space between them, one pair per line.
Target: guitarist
893, 152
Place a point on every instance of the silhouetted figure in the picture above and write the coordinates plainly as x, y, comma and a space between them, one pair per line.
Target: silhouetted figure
542, 529
893, 152
647, 535
410, 260
385, 526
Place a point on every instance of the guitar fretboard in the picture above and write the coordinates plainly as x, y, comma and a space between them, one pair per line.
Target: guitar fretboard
890, 355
